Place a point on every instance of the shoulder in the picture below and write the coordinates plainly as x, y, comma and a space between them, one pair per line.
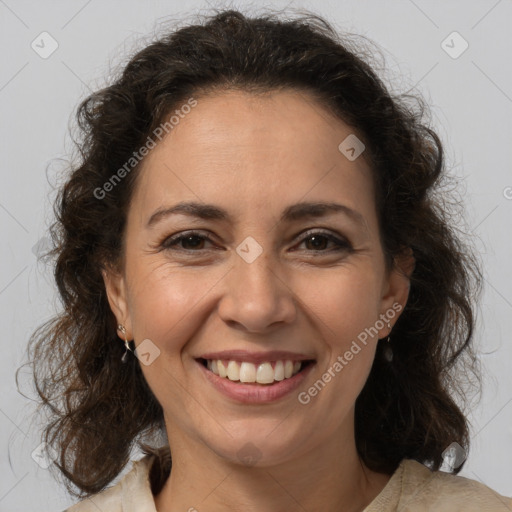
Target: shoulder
132, 493
414, 487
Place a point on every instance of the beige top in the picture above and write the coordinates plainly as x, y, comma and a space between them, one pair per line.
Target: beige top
412, 488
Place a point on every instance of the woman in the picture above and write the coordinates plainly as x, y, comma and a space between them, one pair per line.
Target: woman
255, 266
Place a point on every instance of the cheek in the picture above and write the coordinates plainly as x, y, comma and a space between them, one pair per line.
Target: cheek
346, 310
346, 301
164, 302
169, 307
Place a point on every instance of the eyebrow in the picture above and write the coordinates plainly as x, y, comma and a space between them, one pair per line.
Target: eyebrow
291, 213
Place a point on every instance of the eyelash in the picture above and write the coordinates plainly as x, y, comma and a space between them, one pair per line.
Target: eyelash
170, 242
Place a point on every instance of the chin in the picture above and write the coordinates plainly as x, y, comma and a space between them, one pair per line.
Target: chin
260, 445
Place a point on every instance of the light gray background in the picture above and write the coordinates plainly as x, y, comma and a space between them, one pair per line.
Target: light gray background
471, 99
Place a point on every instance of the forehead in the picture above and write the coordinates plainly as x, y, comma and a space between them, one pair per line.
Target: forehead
277, 147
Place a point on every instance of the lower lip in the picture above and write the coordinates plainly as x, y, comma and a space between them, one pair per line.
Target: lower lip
253, 393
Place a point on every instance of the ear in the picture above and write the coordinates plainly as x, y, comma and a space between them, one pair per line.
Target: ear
115, 286
396, 288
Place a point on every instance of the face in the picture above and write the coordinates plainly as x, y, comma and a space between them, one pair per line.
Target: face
257, 268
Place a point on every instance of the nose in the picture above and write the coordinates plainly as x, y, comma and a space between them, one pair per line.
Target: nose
257, 297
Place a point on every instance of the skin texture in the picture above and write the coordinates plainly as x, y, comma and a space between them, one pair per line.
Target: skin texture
254, 155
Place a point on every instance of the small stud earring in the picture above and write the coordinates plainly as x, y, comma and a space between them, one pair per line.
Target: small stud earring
126, 343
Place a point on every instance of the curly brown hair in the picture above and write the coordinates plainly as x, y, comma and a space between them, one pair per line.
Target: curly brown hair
100, 408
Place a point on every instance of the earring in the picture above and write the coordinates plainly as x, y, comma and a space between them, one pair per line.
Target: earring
126, 343
388, 351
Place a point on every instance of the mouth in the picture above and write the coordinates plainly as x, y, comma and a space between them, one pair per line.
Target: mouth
265, 373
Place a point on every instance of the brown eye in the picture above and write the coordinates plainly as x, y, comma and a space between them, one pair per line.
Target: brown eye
190, 241
319, 242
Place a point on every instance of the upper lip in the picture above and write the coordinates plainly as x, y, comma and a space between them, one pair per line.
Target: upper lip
255, 357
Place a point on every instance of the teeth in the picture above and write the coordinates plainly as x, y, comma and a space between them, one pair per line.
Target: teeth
263, 373
233, 370
222, 372
279, 371
247, 372
288, 369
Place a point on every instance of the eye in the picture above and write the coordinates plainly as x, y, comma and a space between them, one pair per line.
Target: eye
320, 239
193, 239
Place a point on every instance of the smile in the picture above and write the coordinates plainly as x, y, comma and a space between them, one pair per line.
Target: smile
267, 372
254, 392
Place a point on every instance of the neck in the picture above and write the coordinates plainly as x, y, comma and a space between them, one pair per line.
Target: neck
331, 476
